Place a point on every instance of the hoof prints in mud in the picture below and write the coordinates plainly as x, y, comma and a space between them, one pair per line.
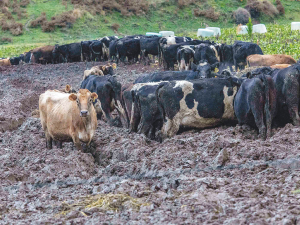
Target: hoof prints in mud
221, 175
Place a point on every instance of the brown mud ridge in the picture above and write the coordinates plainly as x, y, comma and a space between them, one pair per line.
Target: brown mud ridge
223, 175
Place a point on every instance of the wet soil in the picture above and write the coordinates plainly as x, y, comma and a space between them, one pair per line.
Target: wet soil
223, 175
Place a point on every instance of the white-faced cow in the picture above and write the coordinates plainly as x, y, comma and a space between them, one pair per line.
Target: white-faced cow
68, 117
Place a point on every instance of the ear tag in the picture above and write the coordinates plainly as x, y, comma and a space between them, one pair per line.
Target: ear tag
216, 70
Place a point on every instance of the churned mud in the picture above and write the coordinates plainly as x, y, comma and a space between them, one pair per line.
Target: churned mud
223, 175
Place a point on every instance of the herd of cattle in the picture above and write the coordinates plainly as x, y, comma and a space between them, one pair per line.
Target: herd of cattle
160, 103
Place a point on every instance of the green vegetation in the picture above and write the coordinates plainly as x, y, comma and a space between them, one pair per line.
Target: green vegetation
250, 28
162, 15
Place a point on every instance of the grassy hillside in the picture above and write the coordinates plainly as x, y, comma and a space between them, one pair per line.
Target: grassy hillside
162, 15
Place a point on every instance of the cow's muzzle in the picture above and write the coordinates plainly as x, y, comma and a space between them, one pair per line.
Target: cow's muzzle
84, 113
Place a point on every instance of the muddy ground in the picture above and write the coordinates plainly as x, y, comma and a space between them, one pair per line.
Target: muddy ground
223, 175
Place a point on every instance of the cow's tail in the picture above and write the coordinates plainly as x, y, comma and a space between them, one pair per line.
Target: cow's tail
161, 85
267, 102
81, 56
97, 53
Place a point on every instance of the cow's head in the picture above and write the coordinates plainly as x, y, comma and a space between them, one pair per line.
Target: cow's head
204, 68
84, 99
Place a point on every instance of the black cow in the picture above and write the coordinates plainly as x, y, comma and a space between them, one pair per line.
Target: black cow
17, 60
243, 49
113, 50
203, 70
85, 50
109, 94
287, 87
145, 110
149, 45
96, 50
226, 57
185, 56
198, 103
69, 52
129, 48
255, 103
27, 57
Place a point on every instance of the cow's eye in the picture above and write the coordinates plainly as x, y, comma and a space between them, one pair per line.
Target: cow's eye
77, 101
91, 100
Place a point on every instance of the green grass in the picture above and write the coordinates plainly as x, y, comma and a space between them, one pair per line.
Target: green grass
164, 17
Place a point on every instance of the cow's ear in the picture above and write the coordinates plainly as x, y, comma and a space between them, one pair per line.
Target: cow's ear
193, 66
114, 66
72, 97
67, 88
94, 96
215, 65
103, 68
249, 75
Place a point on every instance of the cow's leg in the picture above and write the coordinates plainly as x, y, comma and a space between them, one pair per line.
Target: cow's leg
291, 91
257, 109
48, 140
77, 142
170, 127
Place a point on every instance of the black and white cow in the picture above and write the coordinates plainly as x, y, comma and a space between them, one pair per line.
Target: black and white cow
206, 52
149, 46
169, 52
185, 56
255, 103
243, 49
197, 104
105, 48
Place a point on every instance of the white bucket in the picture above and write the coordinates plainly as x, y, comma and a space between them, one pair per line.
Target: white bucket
259, 28
167, 33
216, 30
153, 34
295, 25
205, 33
243, 30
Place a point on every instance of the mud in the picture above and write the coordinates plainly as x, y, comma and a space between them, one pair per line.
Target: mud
223, 175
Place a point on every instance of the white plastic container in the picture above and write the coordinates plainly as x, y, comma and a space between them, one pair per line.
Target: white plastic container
216, 30
167, 33
243, 30
153, 33
259, 28
295, 25
205, 33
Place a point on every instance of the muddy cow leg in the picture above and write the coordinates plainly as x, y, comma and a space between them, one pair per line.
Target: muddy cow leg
48, 141
77, 142
292, 99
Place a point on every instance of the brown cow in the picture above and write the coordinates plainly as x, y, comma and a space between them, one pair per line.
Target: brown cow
280, 66
5, 62
93, 71
68, 117
42, 55
269, 60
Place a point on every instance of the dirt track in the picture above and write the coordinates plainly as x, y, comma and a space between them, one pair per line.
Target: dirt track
220, 175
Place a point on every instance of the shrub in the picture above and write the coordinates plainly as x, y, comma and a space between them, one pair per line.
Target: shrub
241, 16
39, 21
209, 13
16, 28
6, 39
257, 7
280, 7
115, 27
